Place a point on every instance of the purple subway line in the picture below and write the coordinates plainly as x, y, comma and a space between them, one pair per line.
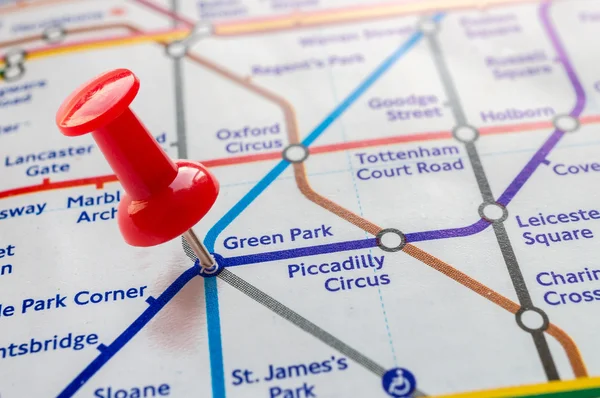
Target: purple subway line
507, 196
538, 158
347, 246
298, 252
564, 59
542, 153
472, 229
155, 305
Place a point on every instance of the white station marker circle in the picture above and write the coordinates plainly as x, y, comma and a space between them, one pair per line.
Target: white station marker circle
13, 72
465, 133
203, 29
493, 212
532, 320
391, 240
54, 34
176, 49
295, 153
566, 123
428, 27
14, 57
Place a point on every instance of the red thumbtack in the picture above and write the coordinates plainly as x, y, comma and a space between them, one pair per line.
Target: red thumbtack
164, 198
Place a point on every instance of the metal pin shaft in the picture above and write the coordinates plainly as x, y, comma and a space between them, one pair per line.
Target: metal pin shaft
206, 260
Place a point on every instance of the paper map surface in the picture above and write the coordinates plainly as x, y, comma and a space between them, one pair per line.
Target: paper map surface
408, 207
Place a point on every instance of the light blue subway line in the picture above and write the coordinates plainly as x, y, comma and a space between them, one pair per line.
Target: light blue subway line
213, 319
239, 207
360, 90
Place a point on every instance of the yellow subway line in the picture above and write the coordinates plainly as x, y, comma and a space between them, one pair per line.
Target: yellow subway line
339, 16
114, 42
353, 14
531, 389
121, 41
285, 22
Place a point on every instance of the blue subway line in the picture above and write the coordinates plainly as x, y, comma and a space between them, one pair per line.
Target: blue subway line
247, 199
211, 294
215, 343
107, 352
212, 302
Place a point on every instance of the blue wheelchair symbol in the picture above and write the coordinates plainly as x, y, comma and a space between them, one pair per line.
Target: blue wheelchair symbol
399, 383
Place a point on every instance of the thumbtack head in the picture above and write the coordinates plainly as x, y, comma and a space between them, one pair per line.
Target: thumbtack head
97, 102
164, 198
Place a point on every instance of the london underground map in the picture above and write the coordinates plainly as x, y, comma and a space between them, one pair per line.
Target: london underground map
408, 200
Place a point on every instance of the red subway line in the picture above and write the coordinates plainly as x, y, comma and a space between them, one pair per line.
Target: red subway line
46, 185
515, 128
242, 159
436, 135
99, 181
589, 119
